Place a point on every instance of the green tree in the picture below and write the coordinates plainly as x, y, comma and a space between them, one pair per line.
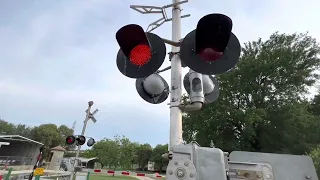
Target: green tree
259, 98
23, 130
88, 154
315, 155
64, 132
127, 151
50, 135
315, 104
108, 152
6, 128
156, 156
143, 155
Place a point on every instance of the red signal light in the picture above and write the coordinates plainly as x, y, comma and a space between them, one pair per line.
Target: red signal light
70, 140
209, 54
212, 36
212, 41
140, 55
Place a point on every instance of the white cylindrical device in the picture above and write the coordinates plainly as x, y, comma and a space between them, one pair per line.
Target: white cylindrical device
208, 85
196, 87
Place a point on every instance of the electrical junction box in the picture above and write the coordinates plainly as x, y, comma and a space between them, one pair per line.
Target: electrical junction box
191, 162
284, 166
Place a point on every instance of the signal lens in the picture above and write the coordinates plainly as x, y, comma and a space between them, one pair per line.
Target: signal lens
210, 54
70, 139
140, 55
81, 140
90, 142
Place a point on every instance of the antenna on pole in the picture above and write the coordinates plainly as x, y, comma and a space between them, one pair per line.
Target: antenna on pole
74, 126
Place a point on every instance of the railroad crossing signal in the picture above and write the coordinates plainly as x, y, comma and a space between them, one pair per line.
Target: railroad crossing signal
140, 54
91, 115
79, 140
208, 50
70, 140
90, 142
211, 48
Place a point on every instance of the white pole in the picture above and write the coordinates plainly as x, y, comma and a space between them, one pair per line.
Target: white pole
176, 80
79, 147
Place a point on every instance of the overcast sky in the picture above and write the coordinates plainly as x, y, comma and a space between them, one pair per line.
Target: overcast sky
56, 55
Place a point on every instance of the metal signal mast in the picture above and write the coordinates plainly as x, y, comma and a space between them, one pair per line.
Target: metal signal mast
210, 49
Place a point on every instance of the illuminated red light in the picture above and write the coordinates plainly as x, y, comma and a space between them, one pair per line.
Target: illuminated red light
210, 54
70, 140
140, 55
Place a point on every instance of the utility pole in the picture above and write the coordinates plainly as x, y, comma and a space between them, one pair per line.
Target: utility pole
88, 116
176, 68
176, 79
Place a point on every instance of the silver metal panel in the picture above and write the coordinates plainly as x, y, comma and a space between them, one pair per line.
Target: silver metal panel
209, 162
250, 171
284, 167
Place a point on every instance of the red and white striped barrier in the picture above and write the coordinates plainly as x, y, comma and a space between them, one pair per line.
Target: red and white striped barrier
127, 173
110, 172
157, 175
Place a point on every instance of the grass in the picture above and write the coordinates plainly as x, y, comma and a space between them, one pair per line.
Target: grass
108, 177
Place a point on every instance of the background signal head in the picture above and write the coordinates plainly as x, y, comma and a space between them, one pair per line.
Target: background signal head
81, 140
90, 142
70, 140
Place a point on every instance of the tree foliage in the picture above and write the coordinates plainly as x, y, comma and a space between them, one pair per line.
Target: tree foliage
261, 106
113, 153
127, 152
157, 158
143, 154
315, 155
120, 152
49, 134
107, 151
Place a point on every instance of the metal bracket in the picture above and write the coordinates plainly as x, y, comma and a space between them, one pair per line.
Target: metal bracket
155, 10
172, 43
162, 70
171, 54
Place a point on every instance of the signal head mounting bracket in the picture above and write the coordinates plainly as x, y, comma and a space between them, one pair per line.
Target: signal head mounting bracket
155, 10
